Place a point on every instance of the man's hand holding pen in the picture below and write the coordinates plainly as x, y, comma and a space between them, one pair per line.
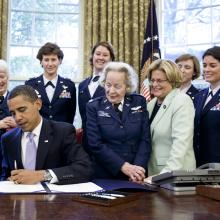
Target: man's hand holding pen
22, 176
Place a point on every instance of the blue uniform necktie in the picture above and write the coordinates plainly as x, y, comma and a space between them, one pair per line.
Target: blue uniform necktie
96, 78
31, 153
49, 83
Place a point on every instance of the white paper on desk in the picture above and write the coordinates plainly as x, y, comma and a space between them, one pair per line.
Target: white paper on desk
75, 188
10, 187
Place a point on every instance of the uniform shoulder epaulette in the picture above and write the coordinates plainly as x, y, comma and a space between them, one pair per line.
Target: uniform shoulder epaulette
136, 94
31, 79
96, 99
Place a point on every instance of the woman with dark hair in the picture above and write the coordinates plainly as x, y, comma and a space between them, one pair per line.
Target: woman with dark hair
207, 104
58, 94
190, 69
101, 54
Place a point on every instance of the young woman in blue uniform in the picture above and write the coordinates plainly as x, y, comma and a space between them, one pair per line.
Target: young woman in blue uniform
207, 104
101, 54
58, 94
118, 126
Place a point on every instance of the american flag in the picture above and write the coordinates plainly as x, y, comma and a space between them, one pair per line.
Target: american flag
145, 90
151, 50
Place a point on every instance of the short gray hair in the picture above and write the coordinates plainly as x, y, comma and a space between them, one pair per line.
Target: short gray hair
130, 75
3, 66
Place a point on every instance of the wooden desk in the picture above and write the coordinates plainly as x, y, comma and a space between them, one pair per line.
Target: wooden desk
159, 205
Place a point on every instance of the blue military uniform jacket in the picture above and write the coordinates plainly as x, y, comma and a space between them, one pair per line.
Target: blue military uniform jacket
192, 91
4, 112
207, 128
83, 98
63, 104
114, 141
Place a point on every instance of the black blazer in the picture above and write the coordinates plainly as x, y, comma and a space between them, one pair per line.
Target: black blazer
57, 150
207, 128
63, 104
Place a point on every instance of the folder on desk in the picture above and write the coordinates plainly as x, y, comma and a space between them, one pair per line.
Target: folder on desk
122, 185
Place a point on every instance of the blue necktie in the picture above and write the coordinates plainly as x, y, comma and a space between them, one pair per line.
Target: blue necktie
31, 153
49, 83
96, 78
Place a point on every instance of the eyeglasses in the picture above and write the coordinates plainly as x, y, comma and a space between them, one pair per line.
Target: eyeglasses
158, 81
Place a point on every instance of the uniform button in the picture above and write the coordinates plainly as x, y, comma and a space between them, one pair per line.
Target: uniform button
50, 106
50, 116
121, 126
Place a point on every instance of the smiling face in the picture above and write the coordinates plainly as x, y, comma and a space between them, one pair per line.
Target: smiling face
211, 71
115, 86
187, 69
100, 58
3, 82
50, 63
25, 113
160, 85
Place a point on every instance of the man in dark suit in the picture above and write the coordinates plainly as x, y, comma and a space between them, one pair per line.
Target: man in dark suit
58, 94
58, 158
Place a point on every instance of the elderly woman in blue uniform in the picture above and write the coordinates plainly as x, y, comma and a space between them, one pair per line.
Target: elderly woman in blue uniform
118, 126
6, 120
190, 69
58, 94
207, 104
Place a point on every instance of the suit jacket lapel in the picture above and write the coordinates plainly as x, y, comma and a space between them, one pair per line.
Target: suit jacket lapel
41, 89
58, 90
45, 141
98, 92
126, 107
85, 88
214, 101
163, 108
17, 147
108, 108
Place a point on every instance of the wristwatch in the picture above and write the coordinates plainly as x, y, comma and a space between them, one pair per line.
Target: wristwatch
47, 176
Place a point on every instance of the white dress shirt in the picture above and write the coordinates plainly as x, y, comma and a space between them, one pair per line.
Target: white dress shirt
93, 85
49, 89
209, 97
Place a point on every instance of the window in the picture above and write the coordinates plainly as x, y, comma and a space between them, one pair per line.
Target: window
35, 22
188, 26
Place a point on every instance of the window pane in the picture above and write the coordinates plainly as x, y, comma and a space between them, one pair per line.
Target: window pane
198, 23
21, 28
216, 23
68, 30
32, 24
45, 25
21, 4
